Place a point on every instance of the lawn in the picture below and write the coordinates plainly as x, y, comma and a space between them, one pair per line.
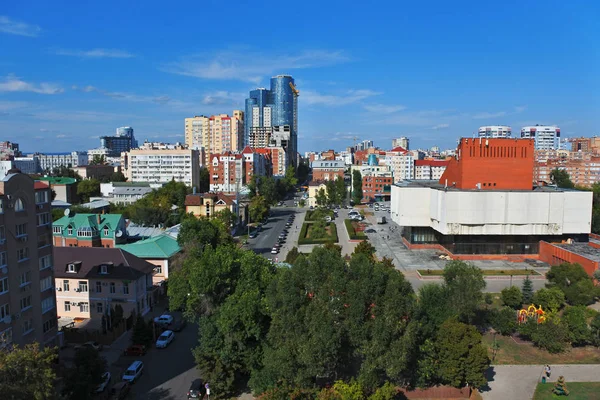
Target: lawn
521, 354
577, 391
353, 233
487, 272
306, 239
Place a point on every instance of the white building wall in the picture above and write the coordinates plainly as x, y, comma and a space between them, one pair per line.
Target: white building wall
493, 212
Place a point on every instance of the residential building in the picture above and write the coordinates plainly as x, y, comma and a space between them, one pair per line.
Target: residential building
586, 145
215, 134
100, 152
5, 167
546, 137
90, 282
255, 164
485, 204
123, 141
313, 188
65, 189
197, 132
125, 193
376, 187
159, 251
495, 131
9, 150
279, 161
27, 296
271, 117
99, 172
89, 230
208, 204
69, 160
430, 169
329, 170
364, 145
161, 166
403, 142
401, 164
28, 165
583, 168
227, 172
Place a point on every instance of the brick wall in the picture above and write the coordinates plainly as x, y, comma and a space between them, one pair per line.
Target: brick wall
555, 255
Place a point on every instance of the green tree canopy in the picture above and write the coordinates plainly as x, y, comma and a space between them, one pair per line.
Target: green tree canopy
88, 188
365, 247
560, 178
504, 321
512, 297
198, 232
551, 299
357, 190
117, 177
465, 284
258, 208
527, 290
27, 373
86, 374
575, 283
204, 180
575, 319
98, 159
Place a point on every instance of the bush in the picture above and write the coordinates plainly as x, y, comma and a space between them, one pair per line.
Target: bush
551, 335
504, 321
318, 215
551, 299
352, 233
333, 237
575, 318
512, 297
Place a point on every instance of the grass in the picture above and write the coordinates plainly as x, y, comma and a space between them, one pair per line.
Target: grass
486, 272
523, 354
318, 213
577, 391
305, 235
353, 234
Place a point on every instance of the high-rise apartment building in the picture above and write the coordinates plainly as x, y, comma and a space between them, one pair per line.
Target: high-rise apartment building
586, 145
403, 142
546, 137
495, 131
215, 134
124, 140
271, 118
27, 295
162, 166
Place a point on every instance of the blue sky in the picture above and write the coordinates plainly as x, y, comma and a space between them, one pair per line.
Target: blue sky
431, 70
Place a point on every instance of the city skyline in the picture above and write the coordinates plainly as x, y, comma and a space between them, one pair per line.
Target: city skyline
432, 74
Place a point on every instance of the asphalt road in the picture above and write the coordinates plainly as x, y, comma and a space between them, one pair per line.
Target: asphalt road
168, 372
263, 243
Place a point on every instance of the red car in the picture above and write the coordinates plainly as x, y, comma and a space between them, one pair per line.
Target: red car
135, 350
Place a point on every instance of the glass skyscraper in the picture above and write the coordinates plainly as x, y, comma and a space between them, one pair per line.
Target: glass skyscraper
272, 116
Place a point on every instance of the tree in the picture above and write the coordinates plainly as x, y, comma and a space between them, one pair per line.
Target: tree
575, 283
340, 188
204, 180
289, 180
527, 290
551, 299
156, 208
198, 232
357, 193
575, 319
292, 255
258, 208
551, 336
432, 310
332, 194
303, 171
98, 159
365, 247
465, 283
88, 188
117, 177
317, 229
595, 330
142, 332
460, 357
504, 321
84, 377
226, 217
512, 297
560, 178
321, 197
27, 372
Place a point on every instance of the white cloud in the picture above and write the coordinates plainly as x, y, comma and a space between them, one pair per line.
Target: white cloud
61, 136
251, 66
14, 84
384, 109
440, 126
351, 96
223, 97
488, 115
520, 109
163, 99
13, 27
95, 53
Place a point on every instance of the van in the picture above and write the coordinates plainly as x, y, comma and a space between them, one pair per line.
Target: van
133, 372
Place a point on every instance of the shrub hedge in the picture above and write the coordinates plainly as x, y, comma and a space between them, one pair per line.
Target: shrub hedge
333, 237
352, 232
313, 214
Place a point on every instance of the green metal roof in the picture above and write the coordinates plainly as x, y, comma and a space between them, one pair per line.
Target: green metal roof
161, 246
58, 180
89, 220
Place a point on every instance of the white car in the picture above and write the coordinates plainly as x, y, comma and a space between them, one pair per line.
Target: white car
164, 319
105, 381
274, 250
164, 339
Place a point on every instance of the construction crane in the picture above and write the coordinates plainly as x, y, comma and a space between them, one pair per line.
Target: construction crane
296, 91
355, 138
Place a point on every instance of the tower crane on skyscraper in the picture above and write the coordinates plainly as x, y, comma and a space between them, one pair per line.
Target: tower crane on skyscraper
296, 91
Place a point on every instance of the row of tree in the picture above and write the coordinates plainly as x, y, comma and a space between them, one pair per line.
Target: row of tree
325, 320
334, 193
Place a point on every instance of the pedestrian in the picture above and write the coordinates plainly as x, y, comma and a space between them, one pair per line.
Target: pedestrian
548, 370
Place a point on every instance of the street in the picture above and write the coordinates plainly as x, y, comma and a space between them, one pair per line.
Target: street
168, 372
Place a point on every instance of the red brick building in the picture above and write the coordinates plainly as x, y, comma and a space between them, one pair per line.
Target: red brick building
328, 170
376, 187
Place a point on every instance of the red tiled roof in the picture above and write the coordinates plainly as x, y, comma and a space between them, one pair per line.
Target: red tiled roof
194, 199
432, 163
40, 185
247, 150
399, 149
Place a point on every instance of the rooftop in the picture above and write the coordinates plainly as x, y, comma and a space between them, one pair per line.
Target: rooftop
58, 180
122, 265
161, 246
583, 249
435, 184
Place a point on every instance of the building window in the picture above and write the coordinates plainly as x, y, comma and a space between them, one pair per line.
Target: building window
158, 269
22, 254
66, 285
44, 219
3, 285
50, 324
112, 287
41, 197
44, 240
67, 306
57, 229
4, 311
19, 206
71, 268
2, 259
99, 308
25, 278
45, 283
125, 288
27, 326
25, 302
45, 262
70, 231
21, 230
84, 307
98, 287
105, 231
47, 304
104, 269
83, 286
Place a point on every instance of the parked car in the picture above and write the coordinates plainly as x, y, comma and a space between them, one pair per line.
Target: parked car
274, 250
381, 220
93, 345
277, 245
135, 350
196, 390
119, 391
253, 234
105, 381
328, 219
178, 325
164, 319
133, 372
165, 339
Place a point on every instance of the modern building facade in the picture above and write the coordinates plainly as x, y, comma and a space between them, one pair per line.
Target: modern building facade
27, 295
430, 169
403, 142
215, 134
495, 131
401, 164
546, 137
162, 166
123, 141
28, 165
69, 160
